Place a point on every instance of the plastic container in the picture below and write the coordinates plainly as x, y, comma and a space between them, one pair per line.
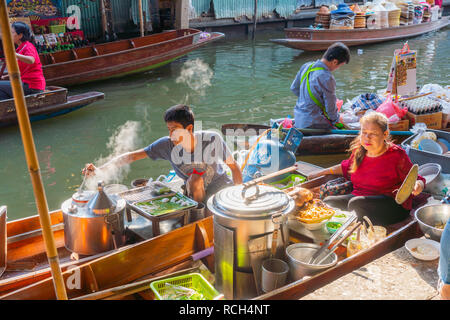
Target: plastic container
430, 146
333, 226
192, 281
422, 157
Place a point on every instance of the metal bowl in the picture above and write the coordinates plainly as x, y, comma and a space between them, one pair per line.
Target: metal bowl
430, 215
298, 255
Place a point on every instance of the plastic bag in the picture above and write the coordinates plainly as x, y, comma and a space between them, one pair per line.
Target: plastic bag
389, 108
420, 130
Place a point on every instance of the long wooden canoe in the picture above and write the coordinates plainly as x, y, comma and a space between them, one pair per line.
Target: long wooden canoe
174, 250
314, 142
123, 57
320, 39
51, 103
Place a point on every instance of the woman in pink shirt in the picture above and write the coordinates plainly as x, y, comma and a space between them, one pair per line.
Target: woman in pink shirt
29, 63
376, 168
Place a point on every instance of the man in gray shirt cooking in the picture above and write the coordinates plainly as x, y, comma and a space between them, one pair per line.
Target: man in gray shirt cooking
196, 156
315, 88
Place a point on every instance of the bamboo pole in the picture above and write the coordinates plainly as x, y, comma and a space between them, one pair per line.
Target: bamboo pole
141, 18
30, 152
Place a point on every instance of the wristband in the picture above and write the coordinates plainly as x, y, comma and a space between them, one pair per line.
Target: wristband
196, 172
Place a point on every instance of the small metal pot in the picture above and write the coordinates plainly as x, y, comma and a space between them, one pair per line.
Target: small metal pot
299, 253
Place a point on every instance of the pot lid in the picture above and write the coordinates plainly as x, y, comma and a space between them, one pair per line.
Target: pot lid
256, 202
101, 203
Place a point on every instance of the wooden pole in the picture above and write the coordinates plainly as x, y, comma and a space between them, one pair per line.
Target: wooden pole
30, 152
104, 20
141, 18
254, 19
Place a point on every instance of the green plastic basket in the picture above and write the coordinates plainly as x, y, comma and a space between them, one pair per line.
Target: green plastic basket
288, 181
192, 281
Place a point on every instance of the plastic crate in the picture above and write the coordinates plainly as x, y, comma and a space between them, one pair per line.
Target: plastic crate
192, 281
421, 157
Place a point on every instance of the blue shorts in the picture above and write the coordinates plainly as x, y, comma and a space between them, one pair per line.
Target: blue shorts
444, 261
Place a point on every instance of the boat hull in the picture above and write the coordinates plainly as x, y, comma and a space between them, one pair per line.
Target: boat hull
121, 58
318, 40
47, 105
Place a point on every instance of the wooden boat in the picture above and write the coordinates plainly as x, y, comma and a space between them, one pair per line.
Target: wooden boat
129, 270
120, 58
51, 103
320, 39
314, 142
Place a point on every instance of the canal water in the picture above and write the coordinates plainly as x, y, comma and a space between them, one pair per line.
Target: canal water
232, 80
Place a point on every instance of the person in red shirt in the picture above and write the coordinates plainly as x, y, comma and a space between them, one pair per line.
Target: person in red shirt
30, 66
377, 168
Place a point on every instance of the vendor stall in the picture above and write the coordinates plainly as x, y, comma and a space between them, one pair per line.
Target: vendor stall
53, 32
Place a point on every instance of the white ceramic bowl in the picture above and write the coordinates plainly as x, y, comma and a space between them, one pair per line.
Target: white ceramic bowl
414, 243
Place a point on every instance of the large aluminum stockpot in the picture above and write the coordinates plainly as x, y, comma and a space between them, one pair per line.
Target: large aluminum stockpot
94, 222
244, 224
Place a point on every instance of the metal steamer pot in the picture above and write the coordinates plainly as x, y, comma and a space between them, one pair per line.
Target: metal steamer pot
94, 222
250, 225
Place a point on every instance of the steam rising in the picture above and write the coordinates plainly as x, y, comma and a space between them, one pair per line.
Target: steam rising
125, 139
197, 75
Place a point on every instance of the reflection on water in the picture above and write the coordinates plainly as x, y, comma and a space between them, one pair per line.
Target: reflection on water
250, 83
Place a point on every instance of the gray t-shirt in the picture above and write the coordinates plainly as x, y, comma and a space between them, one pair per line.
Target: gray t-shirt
209, 150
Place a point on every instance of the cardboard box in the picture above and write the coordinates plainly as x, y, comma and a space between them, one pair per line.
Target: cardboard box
432, 120
402, 125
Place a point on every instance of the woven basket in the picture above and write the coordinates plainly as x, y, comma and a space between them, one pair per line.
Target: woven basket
360, 21
394, 18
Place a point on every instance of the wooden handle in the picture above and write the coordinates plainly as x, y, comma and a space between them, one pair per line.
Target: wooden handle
412, 98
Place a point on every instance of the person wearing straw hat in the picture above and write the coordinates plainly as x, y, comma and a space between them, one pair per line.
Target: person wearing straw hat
315, 88
377, 169
30, 66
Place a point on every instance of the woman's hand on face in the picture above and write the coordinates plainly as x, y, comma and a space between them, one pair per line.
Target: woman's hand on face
418, 188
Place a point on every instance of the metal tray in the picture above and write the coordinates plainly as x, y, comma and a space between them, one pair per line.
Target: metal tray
135, 205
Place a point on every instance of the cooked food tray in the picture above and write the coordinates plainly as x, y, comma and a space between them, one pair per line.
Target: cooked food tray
162, 205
